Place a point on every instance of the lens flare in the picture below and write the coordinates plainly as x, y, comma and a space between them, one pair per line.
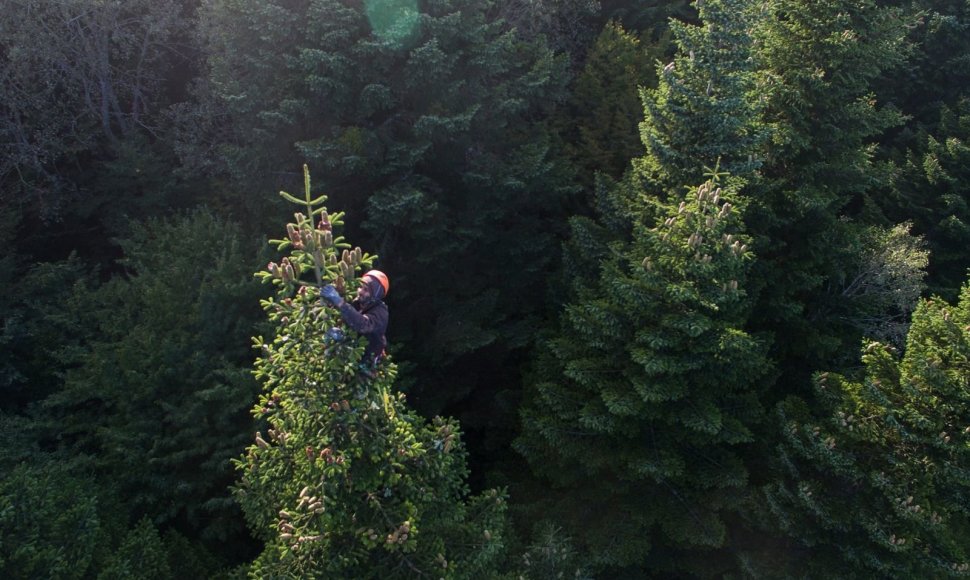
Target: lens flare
394, 21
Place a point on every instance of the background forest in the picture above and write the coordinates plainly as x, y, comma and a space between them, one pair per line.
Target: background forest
678, 289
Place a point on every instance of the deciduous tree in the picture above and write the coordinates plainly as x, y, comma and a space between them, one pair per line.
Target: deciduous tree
931, 189
77, 78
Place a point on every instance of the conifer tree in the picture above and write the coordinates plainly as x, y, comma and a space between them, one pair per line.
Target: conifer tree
936, 74
644, 401
344, 480
932, 188
605, 107
702, 112
876, 476
140, 556
36, 325
51, 523
628, 389
816, 62
648, 17
56, 521
569, 26
155, 398
700, 106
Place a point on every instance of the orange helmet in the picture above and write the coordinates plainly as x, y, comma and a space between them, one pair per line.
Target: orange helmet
380, 277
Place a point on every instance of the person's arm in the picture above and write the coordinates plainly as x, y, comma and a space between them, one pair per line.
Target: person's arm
374, 321
361, 323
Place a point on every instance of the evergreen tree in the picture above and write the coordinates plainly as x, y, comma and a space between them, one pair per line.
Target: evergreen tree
702, 112
605, 108
648, 17
348, 482
569, 26
645, 400
52, 523
816, 62
157, 398
36, 322
932, 188
875, 477
551, 555
931, 88
140, 556
57, 521
937, 72
700, 100
628, 389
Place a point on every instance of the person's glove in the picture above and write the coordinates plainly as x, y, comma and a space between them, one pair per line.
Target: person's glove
330, 294
334, 334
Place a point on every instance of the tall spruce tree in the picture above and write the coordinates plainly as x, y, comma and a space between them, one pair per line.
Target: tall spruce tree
816, 62
702, 111
700, 100
622, 390
643, 403
876, 475
348, 481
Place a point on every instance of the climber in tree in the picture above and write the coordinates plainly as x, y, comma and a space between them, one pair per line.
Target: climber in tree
367, 315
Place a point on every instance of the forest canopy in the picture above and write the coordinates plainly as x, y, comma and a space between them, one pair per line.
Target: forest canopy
677, 289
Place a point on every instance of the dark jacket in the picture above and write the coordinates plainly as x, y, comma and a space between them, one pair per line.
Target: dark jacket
369, 320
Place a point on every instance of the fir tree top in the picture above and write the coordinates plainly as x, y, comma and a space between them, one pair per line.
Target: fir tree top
347, 481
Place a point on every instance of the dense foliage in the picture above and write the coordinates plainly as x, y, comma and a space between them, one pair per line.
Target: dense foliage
430, 132
653, 385
348, 481
634, 249
875, 480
